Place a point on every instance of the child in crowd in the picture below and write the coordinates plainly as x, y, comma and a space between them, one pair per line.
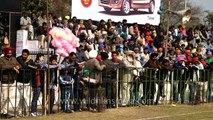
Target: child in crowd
53, 79
66, 83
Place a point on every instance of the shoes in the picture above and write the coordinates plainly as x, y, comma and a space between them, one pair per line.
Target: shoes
69, 111
24, 113
33, 114
6, 116
92, 110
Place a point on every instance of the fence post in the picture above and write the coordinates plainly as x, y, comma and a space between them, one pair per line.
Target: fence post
45, 94
117, 79
172, 83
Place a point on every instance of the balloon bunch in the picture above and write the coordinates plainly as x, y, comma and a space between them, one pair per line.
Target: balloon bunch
64, 40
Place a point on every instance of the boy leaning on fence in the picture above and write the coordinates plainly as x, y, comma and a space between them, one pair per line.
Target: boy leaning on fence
53, 80
66, 81
10, 67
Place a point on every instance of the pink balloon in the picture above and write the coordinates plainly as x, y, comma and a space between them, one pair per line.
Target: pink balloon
67, 47
74, 44
68, 31
73, 50
62, 52
52, 31
56, 43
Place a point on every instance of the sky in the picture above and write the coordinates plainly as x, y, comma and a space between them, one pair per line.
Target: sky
205, 4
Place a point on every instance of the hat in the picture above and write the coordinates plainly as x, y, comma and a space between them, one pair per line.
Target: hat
93, 54
104, 32
187, 51
147, 33
100, 41
177, 51
129, 52
86, 72
67, 17
8, 50
180, 58
166, 59
100, 46
59, 18
193, 51
136, 48
137, 56
195, 59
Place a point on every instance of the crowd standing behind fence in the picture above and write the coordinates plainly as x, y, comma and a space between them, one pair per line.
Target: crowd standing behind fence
144, 74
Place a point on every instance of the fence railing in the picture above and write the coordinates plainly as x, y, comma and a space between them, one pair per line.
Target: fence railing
31, 94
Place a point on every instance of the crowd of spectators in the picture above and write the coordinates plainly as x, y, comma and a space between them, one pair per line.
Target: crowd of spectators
105, 45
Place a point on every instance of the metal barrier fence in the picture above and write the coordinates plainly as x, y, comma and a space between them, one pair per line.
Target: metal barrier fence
119, 87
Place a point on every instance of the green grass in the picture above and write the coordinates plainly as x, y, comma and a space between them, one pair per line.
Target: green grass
160, 112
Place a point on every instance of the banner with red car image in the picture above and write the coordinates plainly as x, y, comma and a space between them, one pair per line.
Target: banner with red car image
140, 11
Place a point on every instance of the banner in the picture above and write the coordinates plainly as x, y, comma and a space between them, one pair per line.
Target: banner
140, 11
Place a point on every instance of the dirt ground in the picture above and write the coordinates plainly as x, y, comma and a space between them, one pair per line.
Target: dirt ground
159, 112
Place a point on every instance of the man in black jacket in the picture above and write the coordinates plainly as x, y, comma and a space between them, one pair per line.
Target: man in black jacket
24, 78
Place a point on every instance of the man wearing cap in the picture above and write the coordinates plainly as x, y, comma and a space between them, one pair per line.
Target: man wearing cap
179, 85
95, 69
199, 81
108, 79
10, 68
126, 77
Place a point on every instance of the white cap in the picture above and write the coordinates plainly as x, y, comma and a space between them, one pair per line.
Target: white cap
93, 54
59, 18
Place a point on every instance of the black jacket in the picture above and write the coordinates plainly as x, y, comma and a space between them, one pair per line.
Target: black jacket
27, 73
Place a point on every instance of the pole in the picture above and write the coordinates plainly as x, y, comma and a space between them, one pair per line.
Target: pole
185, 3
9, 33
167, 30
48, 59
117, 79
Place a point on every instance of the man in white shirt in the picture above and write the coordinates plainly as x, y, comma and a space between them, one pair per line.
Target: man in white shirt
26, 24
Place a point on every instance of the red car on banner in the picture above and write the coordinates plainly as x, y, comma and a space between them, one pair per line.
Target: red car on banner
126, 5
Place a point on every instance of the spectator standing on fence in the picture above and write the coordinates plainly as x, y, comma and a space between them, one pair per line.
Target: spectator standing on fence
95, 69
23, 81
38, 83
10, 68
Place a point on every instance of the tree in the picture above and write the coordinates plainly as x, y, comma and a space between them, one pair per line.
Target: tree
209, 17
177, 5
57, 7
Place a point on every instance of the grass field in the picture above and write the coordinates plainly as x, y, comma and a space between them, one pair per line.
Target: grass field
160, 112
